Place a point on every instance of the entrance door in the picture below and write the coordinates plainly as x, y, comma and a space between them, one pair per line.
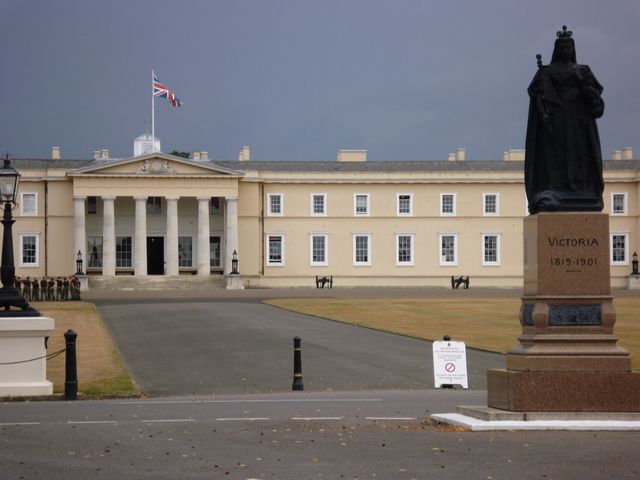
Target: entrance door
214, 252
155, 255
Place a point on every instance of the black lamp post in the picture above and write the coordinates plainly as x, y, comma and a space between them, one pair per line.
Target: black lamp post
79, 263
234, 263
10, 296
634, 264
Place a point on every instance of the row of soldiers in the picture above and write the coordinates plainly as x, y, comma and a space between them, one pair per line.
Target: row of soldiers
48, 289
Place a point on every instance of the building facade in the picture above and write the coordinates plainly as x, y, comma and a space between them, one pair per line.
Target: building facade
366, 223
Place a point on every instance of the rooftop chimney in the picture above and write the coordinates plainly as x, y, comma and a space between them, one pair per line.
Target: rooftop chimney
352, 155
460, 154
96, 154
245, 154
55, 153
451, 157
627, 153
616, 155
196, 154
104, 154
204, 155
515, 154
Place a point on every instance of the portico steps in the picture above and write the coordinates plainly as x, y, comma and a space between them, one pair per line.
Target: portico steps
156, 282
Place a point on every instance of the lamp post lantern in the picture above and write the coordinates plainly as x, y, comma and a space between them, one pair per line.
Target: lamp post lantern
634, 264
234, 263
10, 296
79, 263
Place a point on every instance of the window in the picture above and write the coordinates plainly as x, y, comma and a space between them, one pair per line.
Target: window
275, 249
29, 204
490, 249
92, 205
447, 204
619, 203
123, 252
319, 253
215, 206
29, 249
185, 252
361, 249
319, 204
361, 204
154, 205
94, 249
619, 242
490, 203
405, 204
449, 249
404, 249
214, 251
274, 201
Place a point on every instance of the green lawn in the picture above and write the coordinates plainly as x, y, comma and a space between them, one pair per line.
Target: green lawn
489, 324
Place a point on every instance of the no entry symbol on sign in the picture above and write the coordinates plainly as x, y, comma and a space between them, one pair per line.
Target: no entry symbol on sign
450, 367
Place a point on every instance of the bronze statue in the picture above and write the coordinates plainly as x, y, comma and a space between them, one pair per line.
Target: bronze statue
563, 161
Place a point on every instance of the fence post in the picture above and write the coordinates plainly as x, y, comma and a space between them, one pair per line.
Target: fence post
71, 369
297, 365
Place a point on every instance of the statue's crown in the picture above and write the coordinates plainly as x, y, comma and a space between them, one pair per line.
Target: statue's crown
564, 33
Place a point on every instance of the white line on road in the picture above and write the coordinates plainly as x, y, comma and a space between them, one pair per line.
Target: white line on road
391, 418
18, 424
240, 419
90, 422
316, 418
277, 400
169, 420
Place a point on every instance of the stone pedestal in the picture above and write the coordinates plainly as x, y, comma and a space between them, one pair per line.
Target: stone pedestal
84, 282
567, 358
22, 338
234, 282
633, 282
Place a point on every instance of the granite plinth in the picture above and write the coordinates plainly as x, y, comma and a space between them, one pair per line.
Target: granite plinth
564, 391
567, 359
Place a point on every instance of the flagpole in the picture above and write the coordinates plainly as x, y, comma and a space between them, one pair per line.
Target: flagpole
153, 115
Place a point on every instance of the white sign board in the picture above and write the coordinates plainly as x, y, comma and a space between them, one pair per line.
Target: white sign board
450, 364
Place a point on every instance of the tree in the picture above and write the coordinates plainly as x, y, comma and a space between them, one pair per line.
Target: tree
178, 153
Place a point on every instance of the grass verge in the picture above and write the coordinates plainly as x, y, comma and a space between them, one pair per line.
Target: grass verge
100, 369
488, 324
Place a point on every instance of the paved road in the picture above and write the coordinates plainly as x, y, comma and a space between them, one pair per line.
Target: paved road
373, 434
207, 347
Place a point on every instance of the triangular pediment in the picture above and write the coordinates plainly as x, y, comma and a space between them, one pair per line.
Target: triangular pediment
155, 164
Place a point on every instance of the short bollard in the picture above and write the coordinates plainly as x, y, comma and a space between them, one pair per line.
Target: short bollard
297, 365
71, 369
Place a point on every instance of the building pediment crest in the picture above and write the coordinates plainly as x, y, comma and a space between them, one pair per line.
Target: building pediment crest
155, 164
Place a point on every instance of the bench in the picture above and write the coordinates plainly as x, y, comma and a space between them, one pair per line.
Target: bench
456, 282
322, 281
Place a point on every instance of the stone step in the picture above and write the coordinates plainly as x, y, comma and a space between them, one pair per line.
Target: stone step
159, 282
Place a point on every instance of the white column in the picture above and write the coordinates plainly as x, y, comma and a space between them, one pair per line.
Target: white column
108, 237
231, 233
203, 257
171, 260
79, 230
140, 243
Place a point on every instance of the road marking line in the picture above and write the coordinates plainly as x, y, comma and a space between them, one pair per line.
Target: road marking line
240, 419
91, 421
316, 418
280, 400
169, 420
390, 418
18, 424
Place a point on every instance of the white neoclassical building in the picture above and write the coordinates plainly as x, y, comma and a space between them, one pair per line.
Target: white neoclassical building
403, 223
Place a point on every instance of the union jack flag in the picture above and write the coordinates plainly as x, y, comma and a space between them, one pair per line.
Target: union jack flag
162, 91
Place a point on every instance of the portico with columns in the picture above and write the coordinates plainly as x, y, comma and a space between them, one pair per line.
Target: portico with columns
155, 215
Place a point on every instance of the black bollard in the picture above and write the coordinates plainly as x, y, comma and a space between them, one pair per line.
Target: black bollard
297, 365
71, 369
